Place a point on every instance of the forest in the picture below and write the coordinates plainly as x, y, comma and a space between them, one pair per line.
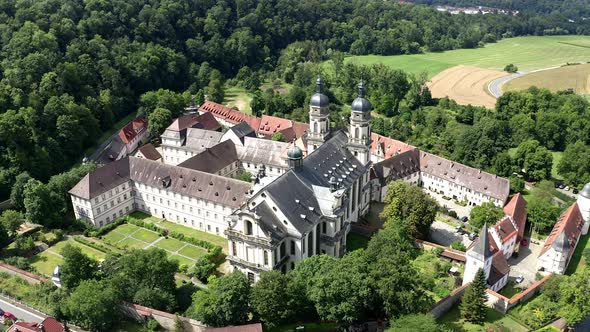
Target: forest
70, 69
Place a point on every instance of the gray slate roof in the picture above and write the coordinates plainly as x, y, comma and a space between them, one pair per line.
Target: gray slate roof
585, 191
243, 129
482, 245
214, 159
561, 244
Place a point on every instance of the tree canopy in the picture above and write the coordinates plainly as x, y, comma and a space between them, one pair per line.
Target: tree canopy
487, 212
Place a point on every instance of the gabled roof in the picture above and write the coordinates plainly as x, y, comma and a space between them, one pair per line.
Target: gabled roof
149, 152
516, 208
505, 229
482, 244
203, 121
132, 129
199, 139
49, 324
230, 115
243, 129
404, 164
213, 159
499, 269
102, 179
566, 231
389, 146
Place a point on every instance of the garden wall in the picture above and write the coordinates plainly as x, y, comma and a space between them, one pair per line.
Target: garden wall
444, 305
29, 277
455, 255
502, 304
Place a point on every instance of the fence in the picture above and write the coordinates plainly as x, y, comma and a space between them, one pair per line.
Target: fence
456, 255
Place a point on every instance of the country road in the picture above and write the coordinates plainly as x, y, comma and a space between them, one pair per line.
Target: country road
495, 86
21, 313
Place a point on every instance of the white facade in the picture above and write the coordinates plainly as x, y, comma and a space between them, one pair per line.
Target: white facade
553, 261
106, 207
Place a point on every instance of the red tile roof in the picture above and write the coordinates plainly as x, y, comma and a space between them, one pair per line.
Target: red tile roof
257, 327
516, 209
50, 324
205, 121
389, 146
132, 129
228, 114
570, 222
505, 229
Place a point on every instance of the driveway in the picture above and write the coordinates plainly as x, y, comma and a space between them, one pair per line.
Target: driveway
525, 264
444, 234
462, 211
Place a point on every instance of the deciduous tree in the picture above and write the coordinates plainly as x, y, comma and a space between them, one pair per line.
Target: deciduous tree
487, 212
76, 267
271, 299
93, 305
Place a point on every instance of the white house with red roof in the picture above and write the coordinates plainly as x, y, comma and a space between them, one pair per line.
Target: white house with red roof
133, 133
563, 239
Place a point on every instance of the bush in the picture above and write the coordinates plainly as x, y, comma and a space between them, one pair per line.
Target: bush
511, 68
203, 269
152, 325
453, 214
18, 262
458, 245
96, 246
25, 243
437, 251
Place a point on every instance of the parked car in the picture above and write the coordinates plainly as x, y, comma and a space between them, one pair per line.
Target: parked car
458, 230
1, 313
464, 219
519, 279
472, 236
567, 188
575, 191
524, 242
561, 186
8, 315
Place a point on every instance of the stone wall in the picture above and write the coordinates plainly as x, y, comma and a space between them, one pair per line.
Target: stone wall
444, 305
29, 277
165, 319
503, 304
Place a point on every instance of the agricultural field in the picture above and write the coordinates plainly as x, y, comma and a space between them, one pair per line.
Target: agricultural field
575, 77
467, 85
239, 98
527, 53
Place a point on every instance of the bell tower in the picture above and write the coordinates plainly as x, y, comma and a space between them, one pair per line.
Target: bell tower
359, 138
319, 122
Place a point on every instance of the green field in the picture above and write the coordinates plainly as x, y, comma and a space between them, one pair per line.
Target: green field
527, 53
46, 261
239, 98
558, 79
578, 260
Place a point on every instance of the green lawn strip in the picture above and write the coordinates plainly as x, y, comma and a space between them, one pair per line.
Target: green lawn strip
131, 243
511, 290
127, 229
170, 244
355, 241
91, 252
181, 260
309, 327
45, 263
527, 53
192, 251
453, 321
214, 239
578, 261
113, 237
146, 235
116, 127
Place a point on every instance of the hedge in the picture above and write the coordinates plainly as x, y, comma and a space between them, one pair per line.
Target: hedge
96, 246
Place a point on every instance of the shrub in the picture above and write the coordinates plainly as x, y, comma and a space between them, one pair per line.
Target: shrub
203, 269
458, 245
453, 214
511, 68
96, 246
152, 325
18, 262
25, 243
437, 251
182, 268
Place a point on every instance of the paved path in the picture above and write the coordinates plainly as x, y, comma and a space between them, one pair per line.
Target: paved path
495, 86
153, 243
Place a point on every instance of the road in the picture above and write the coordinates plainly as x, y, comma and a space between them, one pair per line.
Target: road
495, 86
20, 313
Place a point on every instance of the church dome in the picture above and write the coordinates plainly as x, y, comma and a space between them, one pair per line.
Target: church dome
361, 104
319, 99
295, 153
585, 191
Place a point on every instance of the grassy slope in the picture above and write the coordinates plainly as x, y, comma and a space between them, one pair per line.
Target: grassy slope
238, 97
527, 53
578, 261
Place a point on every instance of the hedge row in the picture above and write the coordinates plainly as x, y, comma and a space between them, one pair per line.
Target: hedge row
96, 246
107, 228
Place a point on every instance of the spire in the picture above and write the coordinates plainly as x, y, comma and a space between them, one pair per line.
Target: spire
482, 246
361, 87
318, 84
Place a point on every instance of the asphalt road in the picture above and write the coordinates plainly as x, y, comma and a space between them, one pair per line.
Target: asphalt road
495, 86
21, 314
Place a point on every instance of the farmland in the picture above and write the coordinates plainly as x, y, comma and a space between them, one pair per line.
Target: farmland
527, 53
568, 77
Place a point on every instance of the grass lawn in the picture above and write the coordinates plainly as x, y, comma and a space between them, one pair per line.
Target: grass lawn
127, 326
556, 158
45, 263
238, 97
309, 327
131, 243
116, 127
146, 235
578, 261
527, 53
453, 321
170, 244
355, 241
91, 252
181, 260
113, 237
215, 239
510, 290
127, 229
192, 251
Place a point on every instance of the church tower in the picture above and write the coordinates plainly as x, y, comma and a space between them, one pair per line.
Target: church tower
359, 138
319, 122
479, 256
584, 206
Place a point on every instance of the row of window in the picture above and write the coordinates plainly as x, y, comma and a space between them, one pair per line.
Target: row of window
110, 193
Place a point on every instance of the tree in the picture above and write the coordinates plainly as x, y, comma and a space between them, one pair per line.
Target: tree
158, 121
278, 136
25, 243
17, 194
487, 212
511, 68
93, 305
516, 184
410, 206
575, 299
271, 299
458, 245
224, 302
574, 165
38, 203
203, 268
414, 323
344, 293
473, 303
541, 211
76, 267
535, 160
3, 236
11, 220
303, 280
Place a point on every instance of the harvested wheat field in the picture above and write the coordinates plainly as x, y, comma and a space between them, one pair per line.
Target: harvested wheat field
568, 77
465, 85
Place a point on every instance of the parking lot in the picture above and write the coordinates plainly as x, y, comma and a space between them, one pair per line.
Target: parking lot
445, 234
525, 264
462, 211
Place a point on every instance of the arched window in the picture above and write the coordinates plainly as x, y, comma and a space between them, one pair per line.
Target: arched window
315, 127
356, 132
283, 249
248, 227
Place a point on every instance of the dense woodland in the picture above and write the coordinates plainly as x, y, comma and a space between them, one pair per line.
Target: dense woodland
70, 69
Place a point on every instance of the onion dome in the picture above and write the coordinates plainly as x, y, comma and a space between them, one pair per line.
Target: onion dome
319, 99
585, 191
295, 153
360, 104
